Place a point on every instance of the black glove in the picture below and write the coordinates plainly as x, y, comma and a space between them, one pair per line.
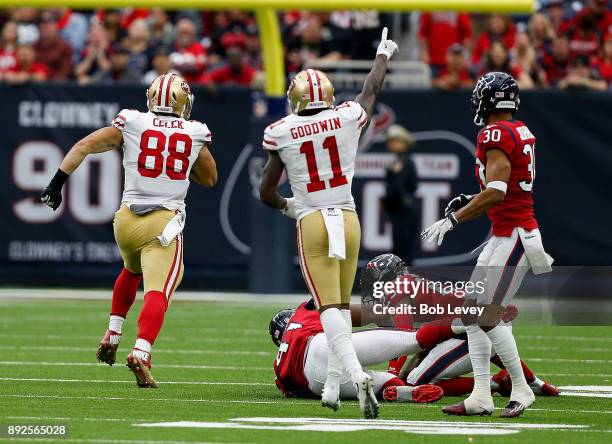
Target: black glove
458, 202
52, 195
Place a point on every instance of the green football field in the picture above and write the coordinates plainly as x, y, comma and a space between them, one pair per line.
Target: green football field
213, 362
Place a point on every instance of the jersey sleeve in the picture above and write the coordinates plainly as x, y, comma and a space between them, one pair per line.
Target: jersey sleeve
203, 135
271, 138
499, 137
353, 111
122, 119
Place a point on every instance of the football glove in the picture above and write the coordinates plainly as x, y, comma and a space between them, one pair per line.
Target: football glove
52, 195
457, 203
439, 229
386, 47
289, 210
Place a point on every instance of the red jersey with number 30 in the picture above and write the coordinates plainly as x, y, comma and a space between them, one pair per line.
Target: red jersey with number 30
518, 143
289, 364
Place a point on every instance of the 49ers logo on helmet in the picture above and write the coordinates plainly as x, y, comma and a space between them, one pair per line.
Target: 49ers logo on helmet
185, 87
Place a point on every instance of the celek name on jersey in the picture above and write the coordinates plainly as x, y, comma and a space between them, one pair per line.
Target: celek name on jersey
168, 123
524, 133
315, 128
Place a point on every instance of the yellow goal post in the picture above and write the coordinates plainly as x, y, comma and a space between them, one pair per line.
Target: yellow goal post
267, 20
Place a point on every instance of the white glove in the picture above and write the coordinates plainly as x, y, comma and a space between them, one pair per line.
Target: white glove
289, 210
439, 229
386, 47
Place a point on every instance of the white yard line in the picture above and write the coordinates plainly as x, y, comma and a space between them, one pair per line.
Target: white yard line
132, 381
565, 338
95, 364
269, 354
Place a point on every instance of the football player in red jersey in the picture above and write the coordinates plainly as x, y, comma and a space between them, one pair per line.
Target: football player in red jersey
505, 170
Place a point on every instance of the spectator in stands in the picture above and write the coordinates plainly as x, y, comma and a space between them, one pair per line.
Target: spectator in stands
498, 59
188, 56
162, 31
161, 65
8, 44
313, 43
455, 74
581, 76
524, 56
27, 25
137, 42
542, 34
27, 68
596, 16
555, 11
53, 51
499, 29
73, 29
119, 71
252, 48
603, 65
111, 20
235, 72
355, 33
94, 57
438, 31
399, 201
556, 63
583, 34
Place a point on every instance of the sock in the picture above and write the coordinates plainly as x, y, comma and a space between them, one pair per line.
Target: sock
143, 345
339, 341
479, 347
430, 335
334, 366
505, 346
529, 375
151, 316
456, 386
124, 293
115, 323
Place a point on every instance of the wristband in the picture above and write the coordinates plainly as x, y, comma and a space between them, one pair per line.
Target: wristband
453, 219
58, 180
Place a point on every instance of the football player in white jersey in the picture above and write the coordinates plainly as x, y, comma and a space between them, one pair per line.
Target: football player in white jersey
317, 145
162, 151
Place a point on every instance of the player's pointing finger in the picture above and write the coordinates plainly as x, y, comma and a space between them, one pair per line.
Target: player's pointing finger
383, 37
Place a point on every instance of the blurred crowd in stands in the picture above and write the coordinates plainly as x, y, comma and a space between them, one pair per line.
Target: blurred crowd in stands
563, 45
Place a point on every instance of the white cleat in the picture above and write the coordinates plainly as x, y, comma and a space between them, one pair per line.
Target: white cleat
368, 404
330, 397
520, 400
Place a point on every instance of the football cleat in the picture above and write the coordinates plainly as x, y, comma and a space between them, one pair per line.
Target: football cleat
502, 383
368, 404
107, 350
406, 393
139, 363
509, 313
330, 397
460, 409
396, 364
513, 410
549, 390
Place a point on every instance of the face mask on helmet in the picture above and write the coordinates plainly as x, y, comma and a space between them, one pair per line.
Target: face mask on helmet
494, 91
279, 323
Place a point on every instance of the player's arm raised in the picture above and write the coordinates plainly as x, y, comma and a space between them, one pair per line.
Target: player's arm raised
268, 188
375, 78
498, 175
204, 171
104, 139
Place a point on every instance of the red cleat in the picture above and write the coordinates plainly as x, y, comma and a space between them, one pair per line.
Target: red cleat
395, 365
460, 410
503, 381
139, 363
550, 390
420, 394
509, 313
107, 350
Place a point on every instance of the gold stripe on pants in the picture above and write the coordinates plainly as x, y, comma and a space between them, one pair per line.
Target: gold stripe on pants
136, 236
329, 281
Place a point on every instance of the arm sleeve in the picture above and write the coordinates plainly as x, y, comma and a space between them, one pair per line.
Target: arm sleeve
270, 141
353, 112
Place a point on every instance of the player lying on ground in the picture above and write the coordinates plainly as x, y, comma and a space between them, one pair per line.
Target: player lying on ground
505, 171
162, 151
317, 145
301, 362
444, 359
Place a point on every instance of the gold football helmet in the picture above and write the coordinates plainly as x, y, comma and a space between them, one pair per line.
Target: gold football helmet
310, 89
170, 94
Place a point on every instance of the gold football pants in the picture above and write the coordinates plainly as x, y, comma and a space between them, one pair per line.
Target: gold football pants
329, 281
136, 236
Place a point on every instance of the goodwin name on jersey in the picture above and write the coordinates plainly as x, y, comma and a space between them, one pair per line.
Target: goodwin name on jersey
318, 152
159, 152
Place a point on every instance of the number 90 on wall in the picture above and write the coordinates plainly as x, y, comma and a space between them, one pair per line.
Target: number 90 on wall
35, 163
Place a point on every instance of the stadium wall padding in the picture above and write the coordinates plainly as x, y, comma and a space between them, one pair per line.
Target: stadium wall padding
231, 238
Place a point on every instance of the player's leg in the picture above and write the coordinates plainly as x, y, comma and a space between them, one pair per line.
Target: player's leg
380, 345
506, 270
124, 292
162, 269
